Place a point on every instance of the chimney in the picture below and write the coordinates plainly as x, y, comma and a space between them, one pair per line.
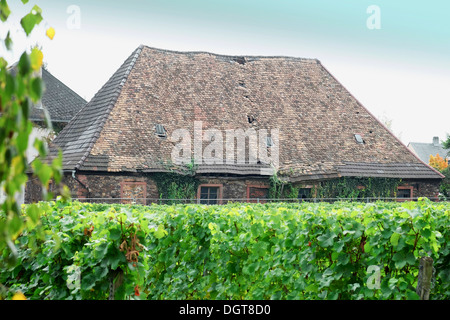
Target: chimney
436, 141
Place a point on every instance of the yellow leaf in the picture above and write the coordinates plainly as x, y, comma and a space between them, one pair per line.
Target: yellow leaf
36, 58
19, 296
50, 33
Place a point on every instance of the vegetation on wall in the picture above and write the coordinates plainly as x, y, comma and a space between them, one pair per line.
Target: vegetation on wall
179, 183
341, 188
172, 185
358, 187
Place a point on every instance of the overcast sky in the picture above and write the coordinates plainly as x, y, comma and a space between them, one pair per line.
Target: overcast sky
393, 56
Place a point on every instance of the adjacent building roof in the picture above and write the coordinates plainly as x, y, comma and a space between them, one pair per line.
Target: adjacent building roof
61, 102
323, 130
424, 150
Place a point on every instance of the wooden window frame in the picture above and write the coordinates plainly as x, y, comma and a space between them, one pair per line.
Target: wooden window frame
219, 196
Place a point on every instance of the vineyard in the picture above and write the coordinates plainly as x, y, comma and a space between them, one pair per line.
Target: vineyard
302, 251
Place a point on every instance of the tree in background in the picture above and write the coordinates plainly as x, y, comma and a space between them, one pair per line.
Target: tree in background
20, 88
446, 145
445, 184
438, 162
441, 164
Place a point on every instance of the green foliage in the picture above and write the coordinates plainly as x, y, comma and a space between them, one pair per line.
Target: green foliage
358, 187
234, 251
20, 88
446, 144
172, 185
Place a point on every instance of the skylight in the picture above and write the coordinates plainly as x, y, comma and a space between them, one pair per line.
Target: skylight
160, 130
359, 139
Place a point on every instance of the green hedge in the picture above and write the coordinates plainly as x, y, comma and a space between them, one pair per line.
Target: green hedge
234, 251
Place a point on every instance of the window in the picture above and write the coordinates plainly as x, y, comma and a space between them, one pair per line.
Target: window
405, 192
304, 193
269, 142
209, 194
257, 193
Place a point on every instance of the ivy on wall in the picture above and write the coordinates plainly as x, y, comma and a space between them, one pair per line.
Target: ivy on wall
178, 182
172, 185
344, 188
358, 187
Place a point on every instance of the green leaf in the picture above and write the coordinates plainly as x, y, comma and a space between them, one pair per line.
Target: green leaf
31, 20
36, 89
15, 226
33, 214
402, 258
101, 250
8, 42
426, 233
24, 64
4, 10
394, 239
367, 248
412, 295
160, 232
115, 234
43, 171
326, 240
256, 229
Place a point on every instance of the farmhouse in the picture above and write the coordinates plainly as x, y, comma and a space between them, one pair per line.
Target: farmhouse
172, 123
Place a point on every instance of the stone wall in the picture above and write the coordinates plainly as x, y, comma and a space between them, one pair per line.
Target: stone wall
426, 188
119, 188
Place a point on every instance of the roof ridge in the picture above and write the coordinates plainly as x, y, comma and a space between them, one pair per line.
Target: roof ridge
230, 55
134, 56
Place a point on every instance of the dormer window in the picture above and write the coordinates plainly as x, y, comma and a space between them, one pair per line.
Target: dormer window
269, 142
160, 131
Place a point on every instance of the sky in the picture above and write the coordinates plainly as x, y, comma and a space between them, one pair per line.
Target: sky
393, 56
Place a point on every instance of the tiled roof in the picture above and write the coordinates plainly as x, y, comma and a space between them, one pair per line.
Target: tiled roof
424, 150
316, 116
388, 170
61, 102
